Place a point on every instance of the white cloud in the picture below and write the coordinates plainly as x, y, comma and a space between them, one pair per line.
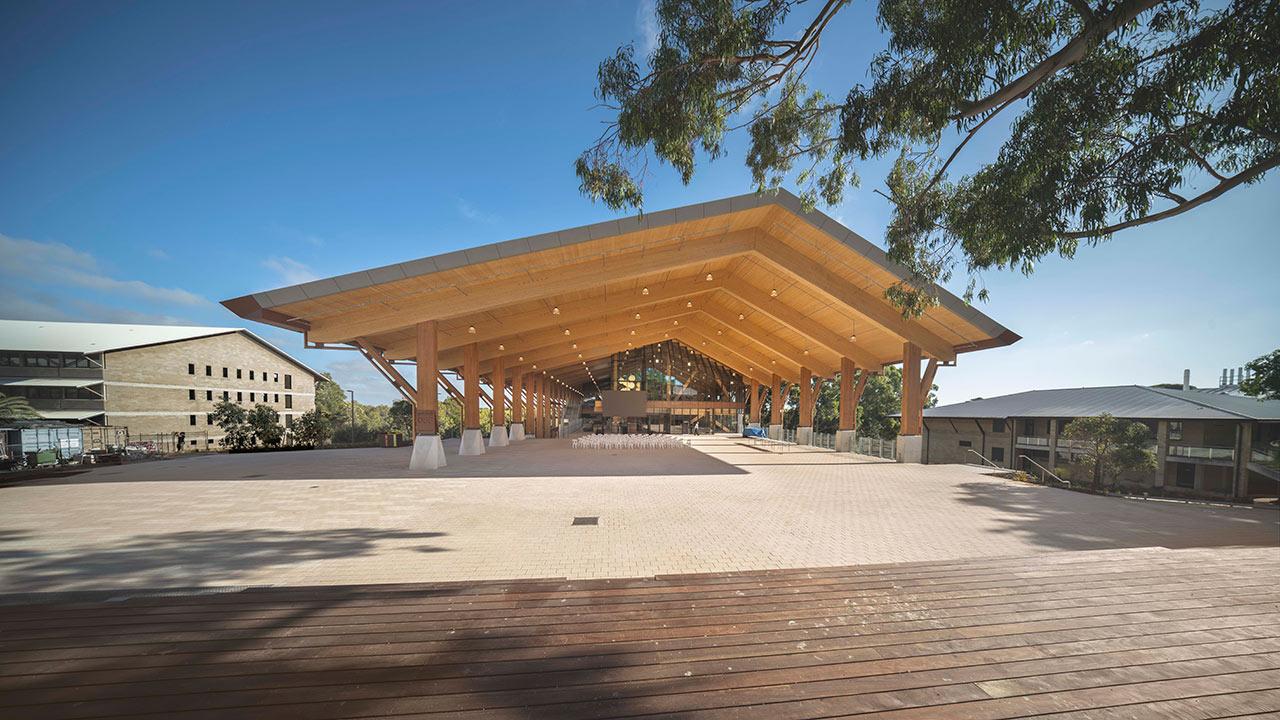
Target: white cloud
470, 212
61, 265
28, 307
291, 271
647, 27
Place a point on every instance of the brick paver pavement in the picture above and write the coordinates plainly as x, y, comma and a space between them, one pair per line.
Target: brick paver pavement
357, 516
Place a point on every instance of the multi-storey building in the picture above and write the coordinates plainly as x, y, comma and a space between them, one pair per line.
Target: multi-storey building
1205, 444
154, 380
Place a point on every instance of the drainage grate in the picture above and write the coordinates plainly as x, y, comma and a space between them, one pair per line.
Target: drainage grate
586, 520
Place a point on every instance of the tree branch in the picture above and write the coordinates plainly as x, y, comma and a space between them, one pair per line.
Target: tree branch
1070, 54
1245, 176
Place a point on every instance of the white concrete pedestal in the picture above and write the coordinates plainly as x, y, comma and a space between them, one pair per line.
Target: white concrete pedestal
428, 453
517, 432
804, 436
472, 442
846, 441
775, 432
910, 448
498, 438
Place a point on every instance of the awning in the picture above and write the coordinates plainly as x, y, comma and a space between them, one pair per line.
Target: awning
70, 414
51, 382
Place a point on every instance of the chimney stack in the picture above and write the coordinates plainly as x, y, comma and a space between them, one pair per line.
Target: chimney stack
1231, 379
1239, 376
1222, 381
1186, 379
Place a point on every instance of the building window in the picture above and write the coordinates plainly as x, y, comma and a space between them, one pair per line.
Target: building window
277, 398
250, 374
997, 426
191, 368
966, 444
251, 398
208, 370
208, 394
239, 396
997, 454
1028, 427
192, 419
1175, 430
191, 394
224, 372
288, 421
288, 382
226, 395
275, 377
238, 376
208, 418
288, 401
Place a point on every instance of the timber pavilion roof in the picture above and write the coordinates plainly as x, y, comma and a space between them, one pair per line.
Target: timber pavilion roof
753, 281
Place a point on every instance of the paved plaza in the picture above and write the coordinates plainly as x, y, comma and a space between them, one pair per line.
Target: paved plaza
357, 516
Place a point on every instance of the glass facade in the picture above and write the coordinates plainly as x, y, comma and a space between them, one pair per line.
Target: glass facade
687, 391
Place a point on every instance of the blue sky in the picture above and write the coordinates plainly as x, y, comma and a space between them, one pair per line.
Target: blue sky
157, 157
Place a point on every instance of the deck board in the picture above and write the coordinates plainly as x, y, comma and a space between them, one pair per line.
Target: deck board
1108, 634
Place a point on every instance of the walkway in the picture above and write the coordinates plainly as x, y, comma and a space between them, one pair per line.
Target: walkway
356, 516
1099, 635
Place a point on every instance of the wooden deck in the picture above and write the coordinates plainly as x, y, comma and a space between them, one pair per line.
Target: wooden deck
1099, 635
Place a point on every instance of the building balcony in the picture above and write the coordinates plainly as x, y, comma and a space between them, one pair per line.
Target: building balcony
1200, 453
1032, 442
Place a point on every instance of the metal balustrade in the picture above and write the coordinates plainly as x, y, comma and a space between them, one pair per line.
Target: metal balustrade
1197, 452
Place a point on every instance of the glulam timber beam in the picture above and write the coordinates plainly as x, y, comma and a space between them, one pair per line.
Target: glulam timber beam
717, 347
876, 309
617, 338
379, 361
748, 338
493, 330
395, 313
778, 309
550, 337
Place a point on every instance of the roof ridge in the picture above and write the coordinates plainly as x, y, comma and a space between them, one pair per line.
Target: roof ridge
1169, 394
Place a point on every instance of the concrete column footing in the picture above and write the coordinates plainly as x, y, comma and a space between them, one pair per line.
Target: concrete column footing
846, 441
498, 438
472, 442
428, 453
910, 448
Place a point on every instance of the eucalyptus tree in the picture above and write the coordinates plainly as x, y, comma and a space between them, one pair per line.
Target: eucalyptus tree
1112, 114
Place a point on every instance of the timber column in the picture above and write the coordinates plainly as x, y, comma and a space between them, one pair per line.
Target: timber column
804, 429
757, 402
517, 406
775, 406
428, 452
850, 394
498, 381
472, 437
910, 434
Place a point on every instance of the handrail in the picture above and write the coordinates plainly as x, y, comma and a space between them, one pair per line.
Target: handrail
985, 460
1044, 470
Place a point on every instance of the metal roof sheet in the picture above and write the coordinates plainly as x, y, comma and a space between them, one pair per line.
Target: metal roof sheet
85, 337
1127, 401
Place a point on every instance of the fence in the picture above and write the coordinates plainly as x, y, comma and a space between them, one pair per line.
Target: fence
877, 447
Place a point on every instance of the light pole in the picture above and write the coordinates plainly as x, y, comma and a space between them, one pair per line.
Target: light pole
353, 416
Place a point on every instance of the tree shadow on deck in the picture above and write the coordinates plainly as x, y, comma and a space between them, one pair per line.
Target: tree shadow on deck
188, 559
1065, 520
